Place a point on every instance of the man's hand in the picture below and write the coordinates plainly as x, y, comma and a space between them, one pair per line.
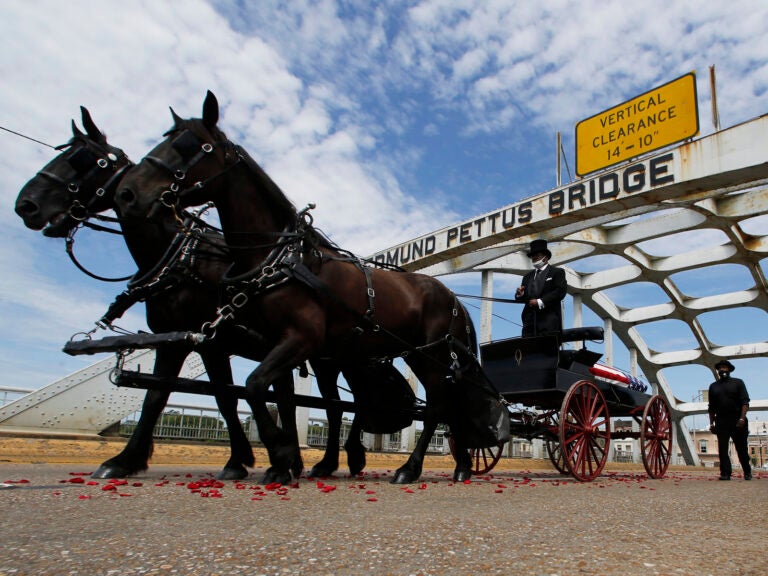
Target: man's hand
741, 423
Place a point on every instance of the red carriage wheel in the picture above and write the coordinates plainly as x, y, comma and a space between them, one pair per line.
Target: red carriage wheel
483, 459
556, 456
585, 430
554, 448
656, 437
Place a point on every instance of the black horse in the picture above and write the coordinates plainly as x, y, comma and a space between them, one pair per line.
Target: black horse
306, 296
78, 185
180, 294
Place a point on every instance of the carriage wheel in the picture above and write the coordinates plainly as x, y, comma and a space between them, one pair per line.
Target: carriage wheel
656, 437
554, 448
585, 430
483, 459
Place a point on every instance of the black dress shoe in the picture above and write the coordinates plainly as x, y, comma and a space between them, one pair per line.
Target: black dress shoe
748, 476
724, 477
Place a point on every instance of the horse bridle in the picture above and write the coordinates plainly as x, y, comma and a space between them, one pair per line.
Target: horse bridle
191, 150
86, 166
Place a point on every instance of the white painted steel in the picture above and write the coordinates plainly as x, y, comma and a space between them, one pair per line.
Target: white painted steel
85, 402
719, 181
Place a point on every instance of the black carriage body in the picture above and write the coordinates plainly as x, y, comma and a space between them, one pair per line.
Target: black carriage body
536, 372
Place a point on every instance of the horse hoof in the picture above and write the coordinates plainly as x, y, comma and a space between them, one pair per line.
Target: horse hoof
272, 476
356, 465
461, 475
403, 477
110, 471
232, 473
320, 470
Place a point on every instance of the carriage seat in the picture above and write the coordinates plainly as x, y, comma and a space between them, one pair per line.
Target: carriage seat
581, 359
594, 333
577, 360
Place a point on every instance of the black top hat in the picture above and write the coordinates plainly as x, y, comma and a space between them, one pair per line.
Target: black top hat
725, 363
539, 246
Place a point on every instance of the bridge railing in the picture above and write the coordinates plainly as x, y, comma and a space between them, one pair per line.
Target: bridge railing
11, 393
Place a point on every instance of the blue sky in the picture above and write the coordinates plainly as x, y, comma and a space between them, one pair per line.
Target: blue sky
396, 118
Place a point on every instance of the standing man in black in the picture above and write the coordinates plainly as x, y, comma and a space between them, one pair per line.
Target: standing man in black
541, 293
728, 405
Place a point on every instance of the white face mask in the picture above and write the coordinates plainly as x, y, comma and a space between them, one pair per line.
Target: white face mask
539, 264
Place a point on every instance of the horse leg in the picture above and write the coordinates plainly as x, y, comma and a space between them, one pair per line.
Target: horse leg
326, 375
411, 470
241, 454
439, 403
286, 409
355, 449
463, 470
282, 447
137, 452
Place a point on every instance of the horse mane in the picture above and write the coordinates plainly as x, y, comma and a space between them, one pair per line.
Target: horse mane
285, 209
268, 187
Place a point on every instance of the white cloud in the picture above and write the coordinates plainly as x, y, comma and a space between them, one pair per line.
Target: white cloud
351, 106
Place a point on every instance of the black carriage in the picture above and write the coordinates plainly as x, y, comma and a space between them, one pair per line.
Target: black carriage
555, 395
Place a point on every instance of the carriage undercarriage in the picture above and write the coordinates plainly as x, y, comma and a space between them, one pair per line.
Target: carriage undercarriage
551, 395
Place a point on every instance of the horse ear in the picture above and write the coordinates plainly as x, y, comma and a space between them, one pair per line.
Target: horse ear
176, 118
210, 110
90, 126
76, 131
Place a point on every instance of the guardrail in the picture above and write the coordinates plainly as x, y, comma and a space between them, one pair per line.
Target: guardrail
10, 393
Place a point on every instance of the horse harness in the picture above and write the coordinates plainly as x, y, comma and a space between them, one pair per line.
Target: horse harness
175, 267
295, 252
86, 165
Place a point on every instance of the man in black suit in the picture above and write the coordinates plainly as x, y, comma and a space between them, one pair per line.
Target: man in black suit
541, 293
728, 405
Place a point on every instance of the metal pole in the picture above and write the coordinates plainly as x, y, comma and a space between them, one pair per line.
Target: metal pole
713, 92
486, 305
559, 170
608, 341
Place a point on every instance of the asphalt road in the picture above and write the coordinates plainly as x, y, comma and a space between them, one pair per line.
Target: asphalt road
176, 519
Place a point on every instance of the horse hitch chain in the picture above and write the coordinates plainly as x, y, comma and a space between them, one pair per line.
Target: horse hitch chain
224, 314
116, 372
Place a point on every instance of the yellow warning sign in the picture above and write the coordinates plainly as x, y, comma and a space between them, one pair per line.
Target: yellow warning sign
663, 116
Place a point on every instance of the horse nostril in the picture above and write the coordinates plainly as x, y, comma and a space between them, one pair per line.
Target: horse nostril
26, 208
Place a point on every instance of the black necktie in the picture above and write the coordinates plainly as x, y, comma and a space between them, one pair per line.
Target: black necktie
537, 281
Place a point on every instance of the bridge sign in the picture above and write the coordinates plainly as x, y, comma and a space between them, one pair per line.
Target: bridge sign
665, 115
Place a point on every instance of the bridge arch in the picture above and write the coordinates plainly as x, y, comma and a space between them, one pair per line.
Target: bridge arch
661, 222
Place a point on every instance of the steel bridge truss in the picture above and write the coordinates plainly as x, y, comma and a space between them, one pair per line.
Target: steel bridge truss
716, 186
